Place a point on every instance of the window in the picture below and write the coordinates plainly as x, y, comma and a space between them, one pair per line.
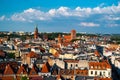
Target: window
95, 72
100, 73
109, 73
91, 72
71, 66
104, 73
76, 65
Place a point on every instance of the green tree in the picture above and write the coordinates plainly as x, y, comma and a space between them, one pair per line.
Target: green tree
24, 78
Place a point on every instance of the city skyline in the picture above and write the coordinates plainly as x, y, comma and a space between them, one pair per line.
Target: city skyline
60, 16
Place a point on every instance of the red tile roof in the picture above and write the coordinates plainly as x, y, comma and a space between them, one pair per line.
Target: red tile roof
99, 65
8, 78
32, 55
45, 68
81, 72
21, 70
67, 38
97, 53
102, 78
71, 61
8, 70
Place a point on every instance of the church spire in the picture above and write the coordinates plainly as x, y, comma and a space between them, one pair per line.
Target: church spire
36, 32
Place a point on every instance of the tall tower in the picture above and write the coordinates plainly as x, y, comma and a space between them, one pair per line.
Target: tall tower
73, 34
59, 39
36, 33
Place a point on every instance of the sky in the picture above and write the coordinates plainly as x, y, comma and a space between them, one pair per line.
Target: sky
90, 16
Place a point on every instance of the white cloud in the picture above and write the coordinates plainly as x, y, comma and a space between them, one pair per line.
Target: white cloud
113, 25
88, 24
31, 14
2, 18
112, 18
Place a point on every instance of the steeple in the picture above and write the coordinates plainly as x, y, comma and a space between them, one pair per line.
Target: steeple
36, 32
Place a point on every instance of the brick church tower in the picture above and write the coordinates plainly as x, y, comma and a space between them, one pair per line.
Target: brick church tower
73, 34
36, 33
59, 39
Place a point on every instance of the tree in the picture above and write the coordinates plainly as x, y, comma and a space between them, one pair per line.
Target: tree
24, 78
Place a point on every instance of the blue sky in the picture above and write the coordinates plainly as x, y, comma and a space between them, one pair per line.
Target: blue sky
91, 16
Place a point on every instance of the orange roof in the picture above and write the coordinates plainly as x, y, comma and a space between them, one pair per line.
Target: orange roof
81, 72
102, 78
97, 53
8, 70
72, 72
99, 65
72, 61
32, 54
67, 38
55, 46
45, 68
8, 78
21, 70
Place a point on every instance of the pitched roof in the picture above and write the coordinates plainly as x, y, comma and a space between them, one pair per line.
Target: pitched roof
45, 68
33, 71
32, 55
21, 70
8, 70
71, 61
97, 53
99, 65
102, 78
67, 38
81, 72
